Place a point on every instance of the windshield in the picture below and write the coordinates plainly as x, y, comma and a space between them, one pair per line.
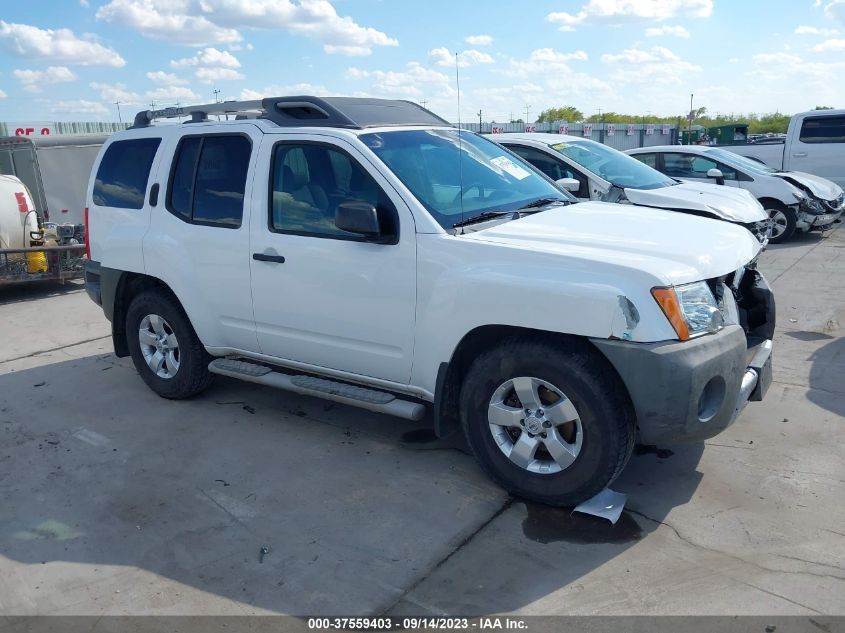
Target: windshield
458, 181
741, 162
615, 167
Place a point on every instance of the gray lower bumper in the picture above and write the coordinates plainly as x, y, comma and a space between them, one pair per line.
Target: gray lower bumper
691, 390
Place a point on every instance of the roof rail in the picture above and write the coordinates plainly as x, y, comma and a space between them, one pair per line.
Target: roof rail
197, 112
302, 111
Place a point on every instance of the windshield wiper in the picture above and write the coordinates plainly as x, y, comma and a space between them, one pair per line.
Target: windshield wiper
542, 202
487, 215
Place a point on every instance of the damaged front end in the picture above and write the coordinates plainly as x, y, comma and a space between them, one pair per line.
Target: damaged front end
815, 214
745, 298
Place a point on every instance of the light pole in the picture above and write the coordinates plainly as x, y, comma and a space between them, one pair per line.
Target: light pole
119, 118
689, 126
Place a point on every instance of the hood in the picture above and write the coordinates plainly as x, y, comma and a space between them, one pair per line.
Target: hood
674, 248
818, 186
727, 203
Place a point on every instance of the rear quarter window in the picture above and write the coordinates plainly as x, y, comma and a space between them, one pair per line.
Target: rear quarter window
823, 129
123, 173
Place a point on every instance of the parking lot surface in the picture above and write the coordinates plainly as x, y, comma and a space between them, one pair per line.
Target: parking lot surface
115, 501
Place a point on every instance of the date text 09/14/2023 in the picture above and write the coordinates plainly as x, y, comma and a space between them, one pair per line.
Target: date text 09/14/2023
416, 623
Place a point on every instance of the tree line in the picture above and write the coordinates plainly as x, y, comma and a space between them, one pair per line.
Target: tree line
775, 123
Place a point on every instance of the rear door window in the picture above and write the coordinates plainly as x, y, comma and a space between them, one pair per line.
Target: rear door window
823, 129
208, 180
123, 173
648, 159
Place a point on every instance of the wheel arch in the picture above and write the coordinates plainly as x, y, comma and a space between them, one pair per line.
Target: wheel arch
450, 374
129, 286
769, 202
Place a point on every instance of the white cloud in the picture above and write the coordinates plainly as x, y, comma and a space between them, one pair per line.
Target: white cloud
84, 3
167, 20
211, 65
414, 81
35, 80
626, 11
479, 40
812, 30
544, 61
442, 57
79, 105
829, 46
658, 65
165, 79
3, 95
210, 75
115, 92
281, 91
203, 22
56, 46
162, 95
208, 58
836, 10
171, 94
657, 31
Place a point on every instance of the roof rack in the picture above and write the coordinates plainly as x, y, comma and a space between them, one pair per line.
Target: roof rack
301, 111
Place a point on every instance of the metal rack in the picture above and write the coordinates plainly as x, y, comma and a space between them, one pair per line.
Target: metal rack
301, 111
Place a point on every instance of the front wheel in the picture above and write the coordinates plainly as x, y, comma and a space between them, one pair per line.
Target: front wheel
783, 223
164, 347
548, 423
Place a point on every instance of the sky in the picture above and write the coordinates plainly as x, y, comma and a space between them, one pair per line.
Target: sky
73, 60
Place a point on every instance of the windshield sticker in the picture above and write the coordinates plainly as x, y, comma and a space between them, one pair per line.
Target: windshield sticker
560, 146
506, 164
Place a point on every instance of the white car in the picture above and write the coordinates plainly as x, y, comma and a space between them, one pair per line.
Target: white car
368, 252
793, 200
594, 171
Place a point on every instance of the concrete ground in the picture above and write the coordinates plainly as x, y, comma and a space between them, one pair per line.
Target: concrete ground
114, 501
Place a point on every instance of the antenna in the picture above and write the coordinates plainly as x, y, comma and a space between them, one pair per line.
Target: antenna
460, 141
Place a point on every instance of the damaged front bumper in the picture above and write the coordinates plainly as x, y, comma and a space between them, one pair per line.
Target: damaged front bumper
812, 220
685, 391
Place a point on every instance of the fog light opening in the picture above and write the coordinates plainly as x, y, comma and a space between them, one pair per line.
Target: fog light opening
711, 399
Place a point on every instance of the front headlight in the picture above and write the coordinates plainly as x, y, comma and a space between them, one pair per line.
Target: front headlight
691, 309
815, 206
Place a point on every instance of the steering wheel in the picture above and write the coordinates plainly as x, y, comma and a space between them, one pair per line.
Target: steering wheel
465, 190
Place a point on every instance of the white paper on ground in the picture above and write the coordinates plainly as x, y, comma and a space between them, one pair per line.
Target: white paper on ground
608, 504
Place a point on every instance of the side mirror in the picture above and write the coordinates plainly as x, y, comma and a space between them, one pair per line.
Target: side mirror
569, 184
717, 174
358, 217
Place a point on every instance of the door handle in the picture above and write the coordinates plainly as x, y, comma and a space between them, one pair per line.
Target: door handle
799, 154
264, 257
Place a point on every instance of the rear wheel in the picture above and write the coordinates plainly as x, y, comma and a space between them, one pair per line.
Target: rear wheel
547, 423
164, 347
783, 222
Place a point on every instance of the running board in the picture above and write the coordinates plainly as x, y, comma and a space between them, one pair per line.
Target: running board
370, 399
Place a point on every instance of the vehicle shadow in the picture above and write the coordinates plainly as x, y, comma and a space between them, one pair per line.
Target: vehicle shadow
800, 239
140, 492
826, 388
32, 291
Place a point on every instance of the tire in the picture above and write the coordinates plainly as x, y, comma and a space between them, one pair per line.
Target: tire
598, 443
784, 220
184, 361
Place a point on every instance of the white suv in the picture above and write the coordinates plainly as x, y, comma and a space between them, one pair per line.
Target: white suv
368, 252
